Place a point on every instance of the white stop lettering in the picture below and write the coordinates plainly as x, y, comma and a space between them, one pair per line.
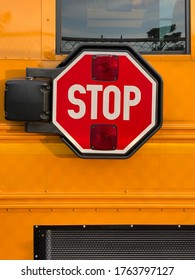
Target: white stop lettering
94, 91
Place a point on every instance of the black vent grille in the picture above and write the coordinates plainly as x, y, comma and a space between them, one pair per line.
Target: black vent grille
114, 242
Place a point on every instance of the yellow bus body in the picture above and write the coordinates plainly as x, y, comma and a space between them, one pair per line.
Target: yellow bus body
42, 182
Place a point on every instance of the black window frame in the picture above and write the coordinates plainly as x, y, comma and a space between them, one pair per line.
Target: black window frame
79, 41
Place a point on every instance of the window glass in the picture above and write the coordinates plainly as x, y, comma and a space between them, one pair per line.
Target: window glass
148, 25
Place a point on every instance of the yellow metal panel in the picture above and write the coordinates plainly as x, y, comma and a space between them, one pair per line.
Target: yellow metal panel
157, 168
20, 29
178, 78
192, 30
48, 30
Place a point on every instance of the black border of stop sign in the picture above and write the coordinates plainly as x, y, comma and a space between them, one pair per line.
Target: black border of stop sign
146, 66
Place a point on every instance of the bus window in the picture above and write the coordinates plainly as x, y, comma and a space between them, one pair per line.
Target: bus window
150, 26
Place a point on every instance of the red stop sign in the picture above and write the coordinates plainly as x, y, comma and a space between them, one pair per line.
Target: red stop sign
107, 101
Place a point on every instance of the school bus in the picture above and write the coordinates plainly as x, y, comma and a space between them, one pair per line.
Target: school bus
57, 205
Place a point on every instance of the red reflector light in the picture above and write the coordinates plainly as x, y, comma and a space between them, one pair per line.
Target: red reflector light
103, 137
105, 67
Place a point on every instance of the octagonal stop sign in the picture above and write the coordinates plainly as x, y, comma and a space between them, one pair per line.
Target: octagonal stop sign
107, 101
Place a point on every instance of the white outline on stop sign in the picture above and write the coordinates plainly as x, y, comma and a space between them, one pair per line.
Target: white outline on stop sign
141, 135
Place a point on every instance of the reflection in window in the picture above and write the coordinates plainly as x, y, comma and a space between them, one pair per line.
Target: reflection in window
148, 25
